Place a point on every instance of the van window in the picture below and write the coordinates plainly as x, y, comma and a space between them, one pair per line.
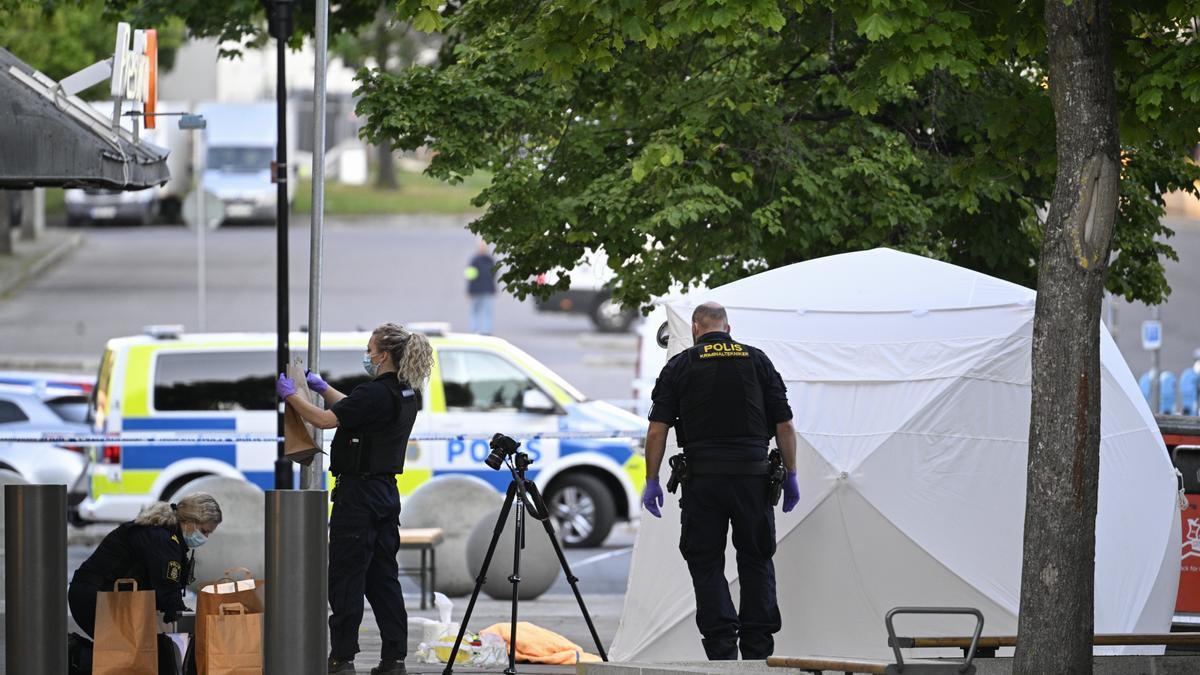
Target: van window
481, 381
215, 381
342, 369
240, 159
98, 400
11, 412
240, 380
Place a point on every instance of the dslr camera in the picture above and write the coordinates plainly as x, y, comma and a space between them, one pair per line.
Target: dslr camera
502, 447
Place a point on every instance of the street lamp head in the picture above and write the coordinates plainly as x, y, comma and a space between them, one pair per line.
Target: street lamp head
192, 122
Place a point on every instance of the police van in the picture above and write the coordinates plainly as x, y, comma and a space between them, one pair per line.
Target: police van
171, 382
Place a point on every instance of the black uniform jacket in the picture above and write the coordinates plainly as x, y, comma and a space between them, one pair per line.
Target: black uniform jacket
155, 556
720, 393
374, 423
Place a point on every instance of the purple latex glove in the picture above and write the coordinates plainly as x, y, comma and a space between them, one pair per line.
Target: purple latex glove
315, 382
791, 492
652, 498
284, 386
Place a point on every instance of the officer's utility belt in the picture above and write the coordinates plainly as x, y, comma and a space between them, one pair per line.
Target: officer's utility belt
683, 468
701, 467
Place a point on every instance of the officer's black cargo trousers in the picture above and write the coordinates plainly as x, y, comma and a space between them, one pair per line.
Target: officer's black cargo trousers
711, 504
364, 537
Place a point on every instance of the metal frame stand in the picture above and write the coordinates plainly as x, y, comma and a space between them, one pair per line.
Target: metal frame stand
524, 494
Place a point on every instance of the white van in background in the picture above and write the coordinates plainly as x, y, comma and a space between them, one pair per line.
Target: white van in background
589, 294
239, 149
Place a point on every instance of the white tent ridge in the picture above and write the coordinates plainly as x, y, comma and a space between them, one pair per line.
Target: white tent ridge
909, 380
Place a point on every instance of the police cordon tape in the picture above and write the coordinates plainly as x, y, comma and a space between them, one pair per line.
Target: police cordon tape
126, 438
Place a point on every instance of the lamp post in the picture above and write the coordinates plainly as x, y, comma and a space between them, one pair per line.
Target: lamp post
280, 27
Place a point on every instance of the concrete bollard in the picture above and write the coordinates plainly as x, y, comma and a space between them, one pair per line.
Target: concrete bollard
238, 542
296, 636
35, 533
539, 563
454, 503
6, 478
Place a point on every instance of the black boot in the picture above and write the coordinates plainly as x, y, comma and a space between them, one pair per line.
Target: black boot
341, 666
389, 667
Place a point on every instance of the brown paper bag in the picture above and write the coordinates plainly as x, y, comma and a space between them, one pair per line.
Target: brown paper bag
126, 639
235, 641
298, 443
247, 592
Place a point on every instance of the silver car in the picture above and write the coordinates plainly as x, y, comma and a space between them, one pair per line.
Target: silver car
42, 409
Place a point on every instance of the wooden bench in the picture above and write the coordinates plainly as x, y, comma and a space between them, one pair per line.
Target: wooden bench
820, 664
988, 644
425, 540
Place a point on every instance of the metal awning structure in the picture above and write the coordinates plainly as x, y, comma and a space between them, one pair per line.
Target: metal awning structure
53, 140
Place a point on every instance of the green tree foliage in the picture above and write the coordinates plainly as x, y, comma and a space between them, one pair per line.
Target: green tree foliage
389, 46
708, 141
64, 37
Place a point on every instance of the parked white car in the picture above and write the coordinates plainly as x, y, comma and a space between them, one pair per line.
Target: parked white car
42, 409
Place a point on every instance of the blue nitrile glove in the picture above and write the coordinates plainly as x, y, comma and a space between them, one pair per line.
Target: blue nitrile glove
315, 382
284, 386
652, 498
791, 492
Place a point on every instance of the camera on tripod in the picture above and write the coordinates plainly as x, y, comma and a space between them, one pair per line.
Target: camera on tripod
503, 447
523, 496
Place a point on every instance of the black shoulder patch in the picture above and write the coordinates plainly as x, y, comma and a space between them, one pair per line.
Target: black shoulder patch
173, 570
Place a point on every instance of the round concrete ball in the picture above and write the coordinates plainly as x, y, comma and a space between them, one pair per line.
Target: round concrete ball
454, 503
539, 563
238, 542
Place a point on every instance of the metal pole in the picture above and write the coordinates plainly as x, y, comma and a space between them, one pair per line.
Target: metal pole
312, 476
39, 211
35, 542
201, 231
296, 637
1155, 375
283, 29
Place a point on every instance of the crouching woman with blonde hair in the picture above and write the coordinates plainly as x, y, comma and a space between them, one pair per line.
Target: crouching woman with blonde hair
152, 549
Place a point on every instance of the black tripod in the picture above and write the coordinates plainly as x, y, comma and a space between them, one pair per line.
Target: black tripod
525, 494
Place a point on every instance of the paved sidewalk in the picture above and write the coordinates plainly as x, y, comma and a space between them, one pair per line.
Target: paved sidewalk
31, 258
559, 613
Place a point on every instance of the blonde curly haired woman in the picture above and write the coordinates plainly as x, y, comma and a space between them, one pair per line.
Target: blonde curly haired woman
373, 424
152, 549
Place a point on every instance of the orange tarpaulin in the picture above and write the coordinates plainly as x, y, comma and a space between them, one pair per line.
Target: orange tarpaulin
538, 645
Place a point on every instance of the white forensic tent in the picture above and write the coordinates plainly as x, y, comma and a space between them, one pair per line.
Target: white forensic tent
909, 380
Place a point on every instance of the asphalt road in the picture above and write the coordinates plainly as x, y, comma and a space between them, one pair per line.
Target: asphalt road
397, 269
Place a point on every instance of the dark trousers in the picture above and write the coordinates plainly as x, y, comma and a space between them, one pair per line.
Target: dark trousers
81, 600
711, 504
364, 537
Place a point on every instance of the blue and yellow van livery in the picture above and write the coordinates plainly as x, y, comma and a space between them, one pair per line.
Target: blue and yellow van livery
223, 382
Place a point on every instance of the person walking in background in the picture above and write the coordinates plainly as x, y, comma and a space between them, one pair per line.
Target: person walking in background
481, 289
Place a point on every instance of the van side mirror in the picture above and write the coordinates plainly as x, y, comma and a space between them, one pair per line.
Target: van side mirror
536, 401
662, 336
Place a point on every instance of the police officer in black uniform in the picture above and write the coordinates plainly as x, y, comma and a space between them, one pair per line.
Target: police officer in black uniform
725, 400
373, 425
153, 549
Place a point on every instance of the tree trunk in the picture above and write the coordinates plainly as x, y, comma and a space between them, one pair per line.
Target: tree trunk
1057, 578
386, 180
